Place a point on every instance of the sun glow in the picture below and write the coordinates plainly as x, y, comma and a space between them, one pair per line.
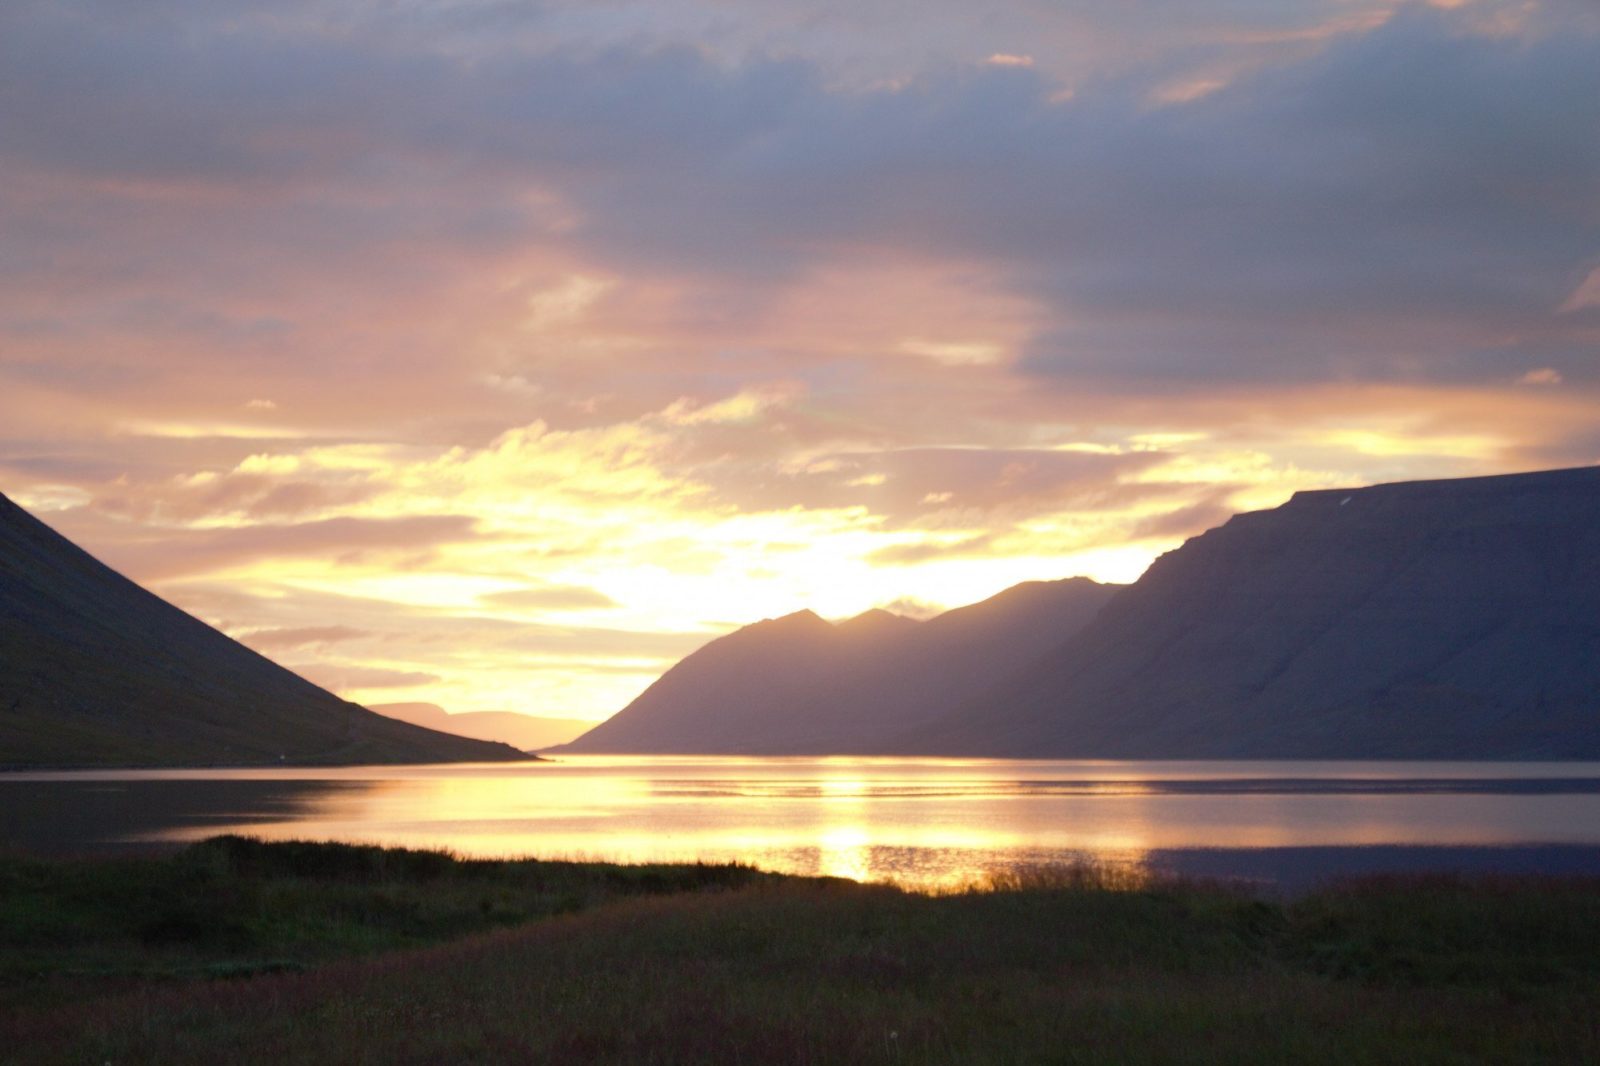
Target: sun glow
843, 851
449, 540
875, 318
1390, 443
649, 550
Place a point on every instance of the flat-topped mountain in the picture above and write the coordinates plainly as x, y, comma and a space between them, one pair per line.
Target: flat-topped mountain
94, 670
800, 685
1436, 619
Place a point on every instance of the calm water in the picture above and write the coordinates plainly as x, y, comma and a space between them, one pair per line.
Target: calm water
922, 822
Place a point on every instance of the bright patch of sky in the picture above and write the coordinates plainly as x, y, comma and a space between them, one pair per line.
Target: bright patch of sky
498, 354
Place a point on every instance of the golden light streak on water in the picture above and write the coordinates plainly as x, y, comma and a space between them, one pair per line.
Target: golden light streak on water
924, 823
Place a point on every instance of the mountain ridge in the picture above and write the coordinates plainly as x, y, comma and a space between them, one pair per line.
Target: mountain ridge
1457, 618
98, 671
801, 685
525, 732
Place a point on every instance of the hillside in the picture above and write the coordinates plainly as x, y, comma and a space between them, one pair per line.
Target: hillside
1439, 619
524, 731
800, 685
94, 670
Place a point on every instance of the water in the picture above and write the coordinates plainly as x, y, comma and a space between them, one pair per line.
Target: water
927, 823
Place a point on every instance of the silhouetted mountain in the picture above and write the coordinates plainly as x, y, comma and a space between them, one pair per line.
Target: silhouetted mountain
876, 624
94, 670
798, 685
1437, 619
523, 731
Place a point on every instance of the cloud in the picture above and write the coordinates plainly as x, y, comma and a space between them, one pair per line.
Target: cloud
271, 640
906, 554
236, 494
1330, 216
529, 665
170, 553
551, 598
446, 633
1338, 219
1586, 295
938, 487
910, 607
1211, 511
689, 311
344, 678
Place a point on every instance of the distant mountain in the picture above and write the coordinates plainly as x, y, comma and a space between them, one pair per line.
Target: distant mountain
799, 685
1434, 619
94, 670
522, 731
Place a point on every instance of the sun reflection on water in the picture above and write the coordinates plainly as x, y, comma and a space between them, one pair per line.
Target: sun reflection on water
845, 851
923, 823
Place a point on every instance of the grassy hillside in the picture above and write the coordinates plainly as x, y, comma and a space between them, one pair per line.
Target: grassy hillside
723, 964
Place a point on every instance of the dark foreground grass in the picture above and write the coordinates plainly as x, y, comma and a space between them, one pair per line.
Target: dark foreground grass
723, 965
233, 906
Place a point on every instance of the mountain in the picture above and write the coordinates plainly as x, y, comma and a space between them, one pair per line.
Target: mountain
800, 685
94, 670
522, 731
1435, 619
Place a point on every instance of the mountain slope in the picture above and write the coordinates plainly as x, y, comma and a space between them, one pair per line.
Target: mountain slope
94, 670
1442, 619
523, 731
798, 685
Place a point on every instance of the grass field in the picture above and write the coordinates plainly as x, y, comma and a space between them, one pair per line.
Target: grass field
237, 951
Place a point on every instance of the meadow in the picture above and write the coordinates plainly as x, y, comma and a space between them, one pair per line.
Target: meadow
242, 951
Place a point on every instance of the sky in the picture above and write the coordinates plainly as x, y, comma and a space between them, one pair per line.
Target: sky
498, 354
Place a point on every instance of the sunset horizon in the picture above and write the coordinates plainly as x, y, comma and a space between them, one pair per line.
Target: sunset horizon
794, 531
499, 358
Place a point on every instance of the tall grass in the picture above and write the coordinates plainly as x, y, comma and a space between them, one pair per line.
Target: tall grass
232, 905
1077, 877
723, 965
